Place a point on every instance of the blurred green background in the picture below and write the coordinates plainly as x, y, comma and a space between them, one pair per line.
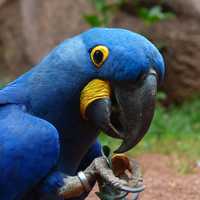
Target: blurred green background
29, 29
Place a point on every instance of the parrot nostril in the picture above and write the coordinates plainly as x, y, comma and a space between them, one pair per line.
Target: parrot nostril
143, 76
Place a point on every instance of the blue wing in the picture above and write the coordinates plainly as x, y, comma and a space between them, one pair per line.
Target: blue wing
29, 149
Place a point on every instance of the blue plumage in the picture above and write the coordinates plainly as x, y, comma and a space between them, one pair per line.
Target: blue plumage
43, 105
29, 147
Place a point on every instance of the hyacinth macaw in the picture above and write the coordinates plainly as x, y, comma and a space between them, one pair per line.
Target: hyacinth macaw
43, 134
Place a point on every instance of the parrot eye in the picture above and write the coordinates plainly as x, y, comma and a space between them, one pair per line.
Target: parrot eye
98, 55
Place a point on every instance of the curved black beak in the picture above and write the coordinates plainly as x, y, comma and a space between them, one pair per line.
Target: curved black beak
129, 114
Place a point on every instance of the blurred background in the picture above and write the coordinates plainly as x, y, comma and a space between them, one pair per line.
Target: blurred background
170, 153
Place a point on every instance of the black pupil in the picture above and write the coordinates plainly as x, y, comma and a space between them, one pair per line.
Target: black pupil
98, 56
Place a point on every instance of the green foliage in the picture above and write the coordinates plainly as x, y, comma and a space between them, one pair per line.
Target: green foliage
103, 12
174, 130
174, 121
93, 20
161, 96
1, 85
154, 14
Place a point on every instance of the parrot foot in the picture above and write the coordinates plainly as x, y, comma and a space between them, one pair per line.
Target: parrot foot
125, 169
74, 186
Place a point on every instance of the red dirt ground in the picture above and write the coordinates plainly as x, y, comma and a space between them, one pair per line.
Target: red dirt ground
163, 182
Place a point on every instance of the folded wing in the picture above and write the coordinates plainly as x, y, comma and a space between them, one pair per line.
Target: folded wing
29, 149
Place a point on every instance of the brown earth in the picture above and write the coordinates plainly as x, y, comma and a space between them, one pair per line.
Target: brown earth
163, 182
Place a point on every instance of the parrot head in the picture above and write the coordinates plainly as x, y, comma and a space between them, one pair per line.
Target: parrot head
111, 73
120, 97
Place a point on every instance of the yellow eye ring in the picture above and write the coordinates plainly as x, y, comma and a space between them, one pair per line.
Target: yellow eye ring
99, 54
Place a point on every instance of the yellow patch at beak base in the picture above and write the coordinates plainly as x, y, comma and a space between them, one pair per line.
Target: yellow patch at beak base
95, 89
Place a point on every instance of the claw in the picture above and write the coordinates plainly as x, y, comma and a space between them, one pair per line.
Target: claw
107, 174
133, 190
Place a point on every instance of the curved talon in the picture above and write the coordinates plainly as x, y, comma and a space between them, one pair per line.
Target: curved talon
133, 190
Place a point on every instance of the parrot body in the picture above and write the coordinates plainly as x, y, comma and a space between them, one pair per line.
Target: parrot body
41, 130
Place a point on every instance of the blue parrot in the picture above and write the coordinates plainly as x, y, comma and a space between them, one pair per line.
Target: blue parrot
50, 117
